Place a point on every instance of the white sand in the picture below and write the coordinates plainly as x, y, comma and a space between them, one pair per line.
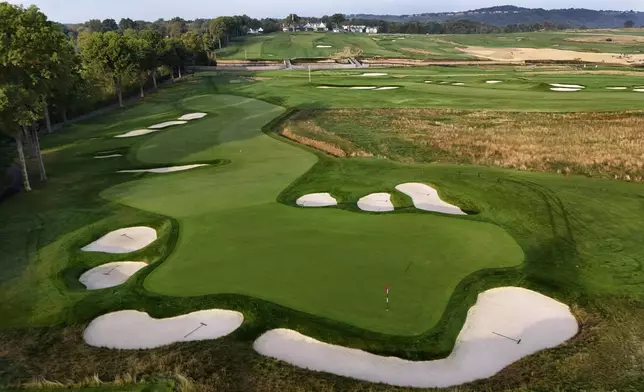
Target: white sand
577, 86
458, 84
131, 329
374, 74
108, 156
388, 88
129, 239
493, 81
564, 89
159, 170
324, 46
362, 87
525, 54
616, 88
192, 116
426, 198
539, 321
376, 202
167, 124
326, 87
429, 81
639, 90
138, 132
317, 200
110, 274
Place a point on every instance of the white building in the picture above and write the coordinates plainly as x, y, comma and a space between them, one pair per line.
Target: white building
258, 31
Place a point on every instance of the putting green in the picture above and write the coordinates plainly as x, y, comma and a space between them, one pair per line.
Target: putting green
236, 238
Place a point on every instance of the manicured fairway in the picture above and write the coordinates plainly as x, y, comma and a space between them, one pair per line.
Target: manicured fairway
236, 238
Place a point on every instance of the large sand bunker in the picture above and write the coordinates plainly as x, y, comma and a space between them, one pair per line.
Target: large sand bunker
317, 200
159, 170
129, 239
110, 274
167, 124
527, 54
505, 325
131, 329
426, 198
192, 116
138, 132
376, 202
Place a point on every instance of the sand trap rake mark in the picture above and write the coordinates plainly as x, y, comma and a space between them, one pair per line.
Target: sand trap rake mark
509, 338
196, 329
110, 271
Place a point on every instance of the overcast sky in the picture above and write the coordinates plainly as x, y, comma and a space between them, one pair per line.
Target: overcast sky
69, 11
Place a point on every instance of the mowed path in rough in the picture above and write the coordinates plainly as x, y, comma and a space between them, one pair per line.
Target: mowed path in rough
236, 238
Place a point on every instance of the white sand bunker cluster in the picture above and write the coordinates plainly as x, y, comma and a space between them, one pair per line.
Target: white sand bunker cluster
127, 240
110, 274
161, 170
505, 325
376, 202
131, 329
156, 127
317, 200
426, 198
566, 87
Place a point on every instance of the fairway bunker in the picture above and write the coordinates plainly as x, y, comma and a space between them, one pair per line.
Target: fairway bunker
639, 90
132, 330
493, 81
317, 200
161, 170
576, 86
138, 132
426, 198
376, 202
458, 84
324, 46
110, 274
167, 124
362, 88
616, 88
108, 156
564, 89
192, 116
387, 88
505, 325
127, 240
374, 74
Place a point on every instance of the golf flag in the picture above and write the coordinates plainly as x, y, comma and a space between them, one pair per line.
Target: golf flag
387, 294
387, 289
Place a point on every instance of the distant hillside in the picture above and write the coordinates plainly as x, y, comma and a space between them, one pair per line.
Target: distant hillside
508, 14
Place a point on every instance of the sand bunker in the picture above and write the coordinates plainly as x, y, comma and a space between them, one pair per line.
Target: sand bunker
429, 81
526, 54
138, 132
192, 116
458, 84
110, 274
108, 156
426, 198
362, 88
505, 325
616, 88
317, 200
577, 86
129, 239
493, 81
326, 87
159, 170
564, 89
376, 202
130, 329
324, 46
639, 90
167, 124
388, 88
373, 74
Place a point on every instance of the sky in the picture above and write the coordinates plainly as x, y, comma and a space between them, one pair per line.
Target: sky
71, 11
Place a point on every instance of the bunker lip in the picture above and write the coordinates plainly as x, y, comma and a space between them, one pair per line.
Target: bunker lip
167, 124
426, 198
126, 240
161, 170
376, 202
505, 325
317, 200
133, 330
110, 274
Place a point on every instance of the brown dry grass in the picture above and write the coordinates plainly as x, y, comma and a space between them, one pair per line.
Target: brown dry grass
589, 72
613, 38
347, 52
418, 51
595, 144
317, 144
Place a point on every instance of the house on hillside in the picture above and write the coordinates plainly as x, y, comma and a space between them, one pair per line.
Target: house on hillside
371, 30
258, 31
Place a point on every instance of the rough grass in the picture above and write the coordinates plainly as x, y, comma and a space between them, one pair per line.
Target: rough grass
593, 144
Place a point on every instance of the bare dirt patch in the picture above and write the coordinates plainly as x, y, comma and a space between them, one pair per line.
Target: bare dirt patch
529, 54
594, 144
